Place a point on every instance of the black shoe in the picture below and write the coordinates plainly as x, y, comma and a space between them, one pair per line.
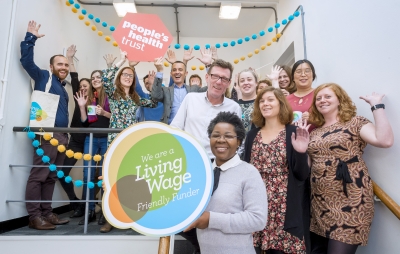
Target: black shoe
102, 219
79, 211
91, 218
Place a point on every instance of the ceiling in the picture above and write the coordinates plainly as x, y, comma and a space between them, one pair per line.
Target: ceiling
195, 22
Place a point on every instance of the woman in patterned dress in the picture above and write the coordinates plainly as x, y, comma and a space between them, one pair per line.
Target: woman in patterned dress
124, 101
342, 205
278, 150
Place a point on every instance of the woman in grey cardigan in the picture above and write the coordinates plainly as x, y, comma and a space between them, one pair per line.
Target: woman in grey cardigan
238, 205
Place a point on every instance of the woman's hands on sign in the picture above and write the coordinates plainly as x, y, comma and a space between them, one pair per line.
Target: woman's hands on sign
200, 223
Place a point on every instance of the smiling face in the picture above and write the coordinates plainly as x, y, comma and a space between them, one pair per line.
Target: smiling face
303, 76
218, 81
283, 79
84, 87
327, 102
96, 80
247, 84
127, 77
269, 105
178, 73
60, 67
223, 142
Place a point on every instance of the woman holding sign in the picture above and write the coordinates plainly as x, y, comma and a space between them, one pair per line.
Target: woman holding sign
238, 205
278, 150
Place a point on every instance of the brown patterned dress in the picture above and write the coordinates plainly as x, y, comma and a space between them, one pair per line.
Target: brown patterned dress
270, 160
340, 210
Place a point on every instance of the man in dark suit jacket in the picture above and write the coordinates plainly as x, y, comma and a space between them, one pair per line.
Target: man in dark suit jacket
173, 95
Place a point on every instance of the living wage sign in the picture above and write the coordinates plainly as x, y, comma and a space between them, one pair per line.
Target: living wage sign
143, 36
158, 179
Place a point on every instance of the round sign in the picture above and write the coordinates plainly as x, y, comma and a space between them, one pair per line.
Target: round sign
158, 179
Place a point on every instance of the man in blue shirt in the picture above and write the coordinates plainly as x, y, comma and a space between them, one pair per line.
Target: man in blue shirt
145, 113
41, 181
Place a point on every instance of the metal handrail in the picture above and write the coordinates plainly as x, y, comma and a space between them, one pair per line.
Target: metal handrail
89, 131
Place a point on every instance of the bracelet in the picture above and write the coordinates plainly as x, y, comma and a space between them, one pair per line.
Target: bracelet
377, 106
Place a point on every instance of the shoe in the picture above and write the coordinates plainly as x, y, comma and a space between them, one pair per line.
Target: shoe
102, 219
106, 228
79, 211
40, 223
53, 219
91, 218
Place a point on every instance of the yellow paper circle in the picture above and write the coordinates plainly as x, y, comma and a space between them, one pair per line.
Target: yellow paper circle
87, 23
242, 58
100, 33
236, 61
81, 17
193, 68
69, 153
47, 136
54, 142
250, 54
61, 148
78, 156
74, 10
269, 43
263, 47
201, 67
97, 157
274, 39
107, 38
67, 3
87, 157
257, 51
278, 35
166, 64
115, 44
94, 28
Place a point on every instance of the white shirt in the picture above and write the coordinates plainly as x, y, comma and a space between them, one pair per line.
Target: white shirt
196, 113
233, 162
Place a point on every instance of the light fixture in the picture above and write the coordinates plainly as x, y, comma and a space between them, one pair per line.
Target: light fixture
124, 6
229, 10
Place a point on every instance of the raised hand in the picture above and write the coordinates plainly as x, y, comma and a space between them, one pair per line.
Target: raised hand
109, 59
214, 53
275, 70
373, 99
158, 63
302, 138
152, 76
123, 58
33, 29
133, 63
71, 51
171, 58
187, 55
206, 56
81, 99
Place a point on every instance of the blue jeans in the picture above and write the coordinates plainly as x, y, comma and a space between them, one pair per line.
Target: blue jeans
99, 147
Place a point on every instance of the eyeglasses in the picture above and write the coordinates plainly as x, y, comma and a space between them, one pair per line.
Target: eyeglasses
96, 77
306, 71
226, 137
126, 75
216, 78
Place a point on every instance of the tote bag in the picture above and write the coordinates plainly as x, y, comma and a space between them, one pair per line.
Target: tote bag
43, 107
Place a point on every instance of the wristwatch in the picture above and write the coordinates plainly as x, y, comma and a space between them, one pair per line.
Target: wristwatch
377, 106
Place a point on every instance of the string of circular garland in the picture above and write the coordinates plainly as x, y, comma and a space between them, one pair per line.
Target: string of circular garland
69, 153
239, 41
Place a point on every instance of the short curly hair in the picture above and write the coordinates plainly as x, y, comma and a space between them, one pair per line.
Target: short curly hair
347, 109
231, 118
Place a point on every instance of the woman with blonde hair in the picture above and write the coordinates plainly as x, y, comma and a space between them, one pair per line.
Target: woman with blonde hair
342, 205
278, 150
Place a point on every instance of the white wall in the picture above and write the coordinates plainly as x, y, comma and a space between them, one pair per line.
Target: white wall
354, 44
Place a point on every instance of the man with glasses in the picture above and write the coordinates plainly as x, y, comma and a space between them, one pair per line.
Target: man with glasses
173, 95
198, 109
